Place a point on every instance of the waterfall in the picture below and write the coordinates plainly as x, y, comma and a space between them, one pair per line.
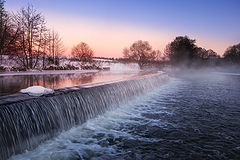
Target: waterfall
26, 123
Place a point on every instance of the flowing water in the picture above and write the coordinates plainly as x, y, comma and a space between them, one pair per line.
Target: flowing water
185, 118
26, 122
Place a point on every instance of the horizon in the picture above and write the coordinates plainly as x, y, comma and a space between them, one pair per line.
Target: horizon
109, 26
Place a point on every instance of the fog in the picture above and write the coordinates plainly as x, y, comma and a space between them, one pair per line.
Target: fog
202, 72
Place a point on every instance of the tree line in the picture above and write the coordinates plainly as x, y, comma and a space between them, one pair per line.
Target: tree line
24, 36
181, 51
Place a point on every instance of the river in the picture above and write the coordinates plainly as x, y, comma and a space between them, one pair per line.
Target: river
188, 117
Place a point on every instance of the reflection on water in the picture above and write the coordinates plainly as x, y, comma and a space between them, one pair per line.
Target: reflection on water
13, 84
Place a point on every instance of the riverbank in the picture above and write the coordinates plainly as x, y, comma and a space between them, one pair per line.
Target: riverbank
46, 72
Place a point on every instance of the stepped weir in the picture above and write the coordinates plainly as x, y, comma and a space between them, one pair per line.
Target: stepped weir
27, 121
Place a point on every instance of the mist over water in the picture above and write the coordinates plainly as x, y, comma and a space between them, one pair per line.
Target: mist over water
189, 117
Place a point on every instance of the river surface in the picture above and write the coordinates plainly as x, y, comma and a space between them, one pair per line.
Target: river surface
188, 117
11, 84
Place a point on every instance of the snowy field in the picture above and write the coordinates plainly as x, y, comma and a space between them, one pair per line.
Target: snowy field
112, 66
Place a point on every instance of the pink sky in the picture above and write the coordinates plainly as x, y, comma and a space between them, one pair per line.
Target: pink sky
108, 28
108, 40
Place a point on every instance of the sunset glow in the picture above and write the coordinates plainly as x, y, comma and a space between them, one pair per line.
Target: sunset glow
108, 34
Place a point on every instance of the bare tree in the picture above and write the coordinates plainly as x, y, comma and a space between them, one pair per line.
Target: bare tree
55, 46
4, 27
44, 50
141, 52
232, 54
82, 51
30, 41
8, 31
182, 50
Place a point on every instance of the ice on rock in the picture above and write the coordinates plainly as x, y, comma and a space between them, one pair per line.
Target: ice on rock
37, 91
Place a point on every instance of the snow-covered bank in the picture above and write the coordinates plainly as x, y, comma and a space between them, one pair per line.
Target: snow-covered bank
122, 68
12, 64
113, 68
9, 67
47, 72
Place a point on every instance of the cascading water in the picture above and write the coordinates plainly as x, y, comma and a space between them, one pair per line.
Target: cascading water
25, 124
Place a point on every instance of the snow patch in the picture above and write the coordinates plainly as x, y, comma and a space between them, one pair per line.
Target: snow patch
37, 91
161, 72
122, 68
